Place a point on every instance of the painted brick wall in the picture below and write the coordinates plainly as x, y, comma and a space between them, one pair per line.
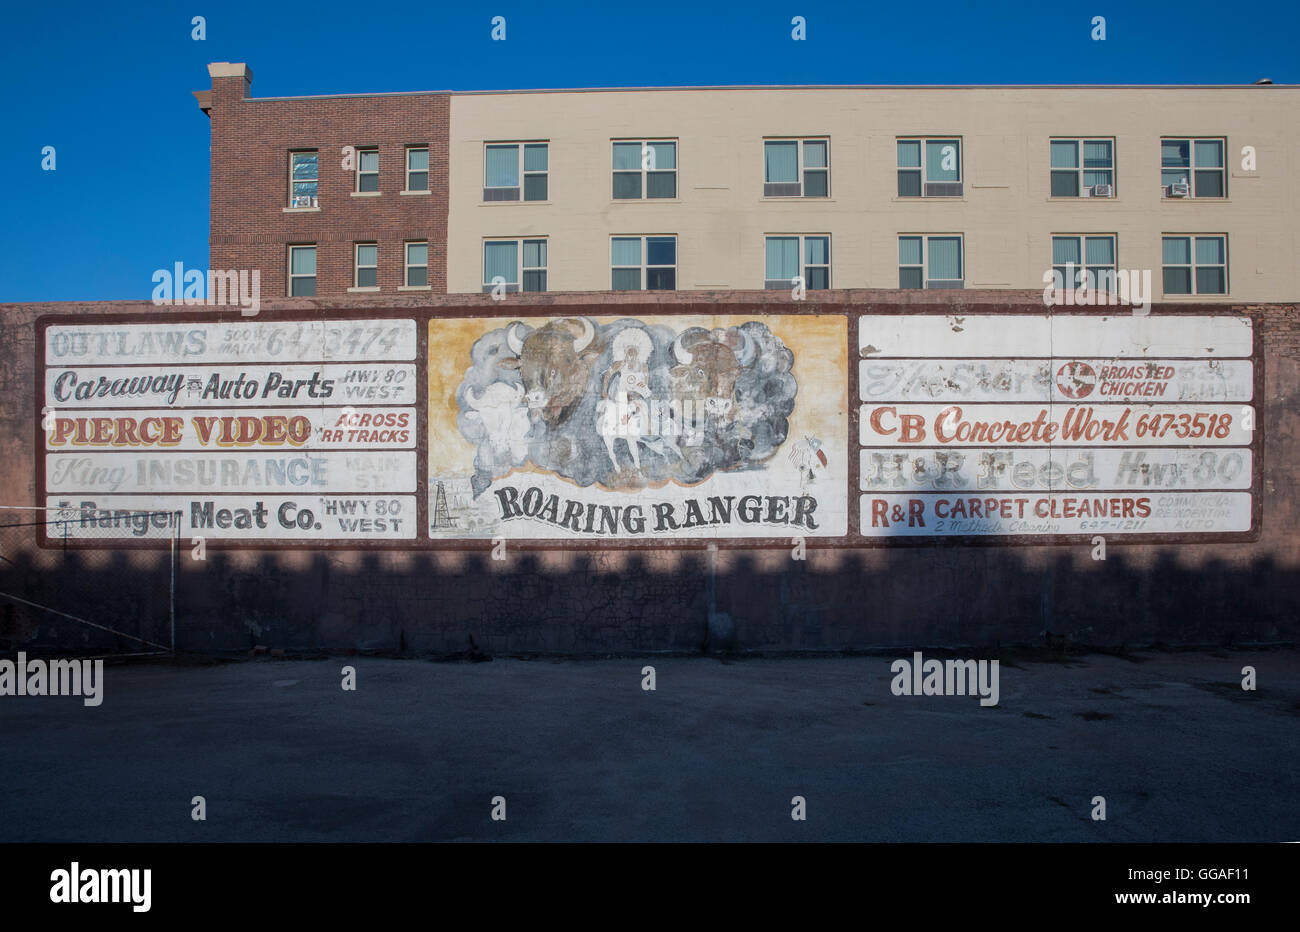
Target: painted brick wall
612, 601
251, 140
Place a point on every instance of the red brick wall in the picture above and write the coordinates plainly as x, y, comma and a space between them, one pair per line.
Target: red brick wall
940, 594
251, 140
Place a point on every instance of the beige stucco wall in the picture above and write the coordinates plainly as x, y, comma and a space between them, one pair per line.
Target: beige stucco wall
720, 216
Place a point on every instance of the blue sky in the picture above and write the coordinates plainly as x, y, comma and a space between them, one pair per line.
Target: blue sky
108, 85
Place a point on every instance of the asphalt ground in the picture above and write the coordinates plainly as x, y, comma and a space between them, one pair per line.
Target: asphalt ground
716, 752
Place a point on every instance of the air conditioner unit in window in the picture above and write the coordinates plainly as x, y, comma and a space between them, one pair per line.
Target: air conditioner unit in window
1181, 189
1101, 190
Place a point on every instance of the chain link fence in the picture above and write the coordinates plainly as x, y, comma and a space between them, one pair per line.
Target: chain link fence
68, 599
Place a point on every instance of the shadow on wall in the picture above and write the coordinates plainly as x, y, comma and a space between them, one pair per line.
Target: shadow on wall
947, 596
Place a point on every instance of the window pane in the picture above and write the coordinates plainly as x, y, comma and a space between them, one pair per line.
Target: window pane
303, 287
945, 257
1065, 184
817, 278
368, 255
1065, 249
1210, 281
368, 182
534, 253
1101, 250
938, 154
627, 156
660, 279
625, 251
417, 253
1209, 250
814, 154
627, 279
909, 250
816, 250
535, 157
1177, 250
417, 276
500, 259
304, 165
910, 278
417, 160
661, 184
1178, 281
780, 162
367, 278
502, 164
1209, 153
1210, 183
814, 183
303, 260
1175, 153
909, 184
627, 184
1065, 154
1174, 176
909, 154
663, 155
369, 160
535, 187
1096, 177
660, 250
417, 181
782, 257
304, 189
535, 281
1096, 153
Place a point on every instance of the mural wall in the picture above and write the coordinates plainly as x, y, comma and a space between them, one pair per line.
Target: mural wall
670, 427
410, 430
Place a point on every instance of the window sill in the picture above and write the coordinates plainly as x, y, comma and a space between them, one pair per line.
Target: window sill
510, 203
913, 200
1071, 200
798, 198
414, 287
366, 290
1201, 200
413, 193
645, 200
366, 193
300, 210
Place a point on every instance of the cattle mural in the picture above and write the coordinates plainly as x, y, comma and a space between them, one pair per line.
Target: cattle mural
595, 418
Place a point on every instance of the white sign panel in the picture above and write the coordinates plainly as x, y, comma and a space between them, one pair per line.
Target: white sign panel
1055, 424
304, 518
229, 386
231, 342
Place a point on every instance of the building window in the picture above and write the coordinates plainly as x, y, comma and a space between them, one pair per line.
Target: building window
367, 266
505, 163
303, 178
938, 174
302, 271
1080, 259
507, 262
417, 169
1195, 264
796, 168
417, 265
1083, 167
789, 257
645, 166
930, 262
1193, 168
368, 171
652, 259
